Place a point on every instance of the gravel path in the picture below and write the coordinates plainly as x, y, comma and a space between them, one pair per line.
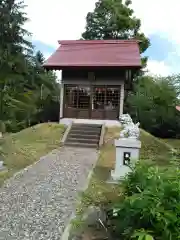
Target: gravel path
37, 203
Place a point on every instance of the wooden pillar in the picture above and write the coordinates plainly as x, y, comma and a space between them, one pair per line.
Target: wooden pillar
121, 100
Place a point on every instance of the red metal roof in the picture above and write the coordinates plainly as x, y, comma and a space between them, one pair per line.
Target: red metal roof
99, 53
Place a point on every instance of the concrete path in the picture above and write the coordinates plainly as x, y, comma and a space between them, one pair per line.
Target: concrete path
37, 203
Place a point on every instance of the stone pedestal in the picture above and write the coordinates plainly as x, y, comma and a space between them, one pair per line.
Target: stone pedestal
127, 152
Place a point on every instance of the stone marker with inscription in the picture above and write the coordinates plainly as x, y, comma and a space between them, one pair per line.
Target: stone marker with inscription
127, 148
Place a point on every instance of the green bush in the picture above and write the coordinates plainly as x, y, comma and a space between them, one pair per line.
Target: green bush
151, 205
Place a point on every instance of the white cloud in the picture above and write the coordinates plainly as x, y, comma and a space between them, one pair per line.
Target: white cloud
65, 19
159, 17
158, 68
57, 19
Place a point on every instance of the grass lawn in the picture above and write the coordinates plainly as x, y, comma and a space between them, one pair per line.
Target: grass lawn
26, 147
100, 192
175, 143
154, 149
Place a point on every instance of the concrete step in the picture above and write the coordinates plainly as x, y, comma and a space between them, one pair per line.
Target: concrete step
83, 145
86, 125
86, 128
86, 131
82, 140
84, 135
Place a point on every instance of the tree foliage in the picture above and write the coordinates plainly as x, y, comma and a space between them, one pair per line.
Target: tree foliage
21, 73
113, 19
153, 103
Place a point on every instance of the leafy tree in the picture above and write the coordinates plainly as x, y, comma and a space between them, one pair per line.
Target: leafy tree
14, 48
153, 102
113, 19
32, 99
49, 89
25, 87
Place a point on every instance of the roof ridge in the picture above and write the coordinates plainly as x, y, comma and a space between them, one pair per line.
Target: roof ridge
113, 41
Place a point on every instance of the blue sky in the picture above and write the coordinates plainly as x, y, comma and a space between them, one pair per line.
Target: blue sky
46, 49
164, 51
65, 19
160, 47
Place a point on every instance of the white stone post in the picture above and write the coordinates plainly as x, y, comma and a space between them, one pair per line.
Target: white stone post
127, 148
127, 153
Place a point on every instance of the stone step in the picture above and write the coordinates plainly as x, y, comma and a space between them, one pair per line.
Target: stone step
83, 145
83, 140
89, 129
86, 125
87, 133
86, 128
84, 135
